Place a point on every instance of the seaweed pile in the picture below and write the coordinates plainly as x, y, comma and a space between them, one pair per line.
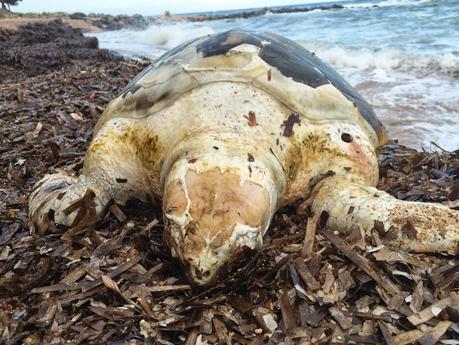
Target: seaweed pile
112, 281
38, 48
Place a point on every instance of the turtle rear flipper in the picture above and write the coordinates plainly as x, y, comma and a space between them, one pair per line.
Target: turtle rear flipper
411, 226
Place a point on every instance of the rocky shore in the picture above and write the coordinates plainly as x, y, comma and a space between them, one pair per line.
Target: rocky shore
113, 282
86, 23
262, 12
106, 22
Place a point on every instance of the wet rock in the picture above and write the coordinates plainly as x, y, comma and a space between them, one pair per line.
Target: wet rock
77, 15
109, 22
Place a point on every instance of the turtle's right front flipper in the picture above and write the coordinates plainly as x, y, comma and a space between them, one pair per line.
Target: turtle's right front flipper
112, 171
60, 197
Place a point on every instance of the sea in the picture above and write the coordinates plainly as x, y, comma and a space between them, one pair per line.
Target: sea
401, 55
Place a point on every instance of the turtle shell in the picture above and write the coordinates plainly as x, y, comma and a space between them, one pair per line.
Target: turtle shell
165, 80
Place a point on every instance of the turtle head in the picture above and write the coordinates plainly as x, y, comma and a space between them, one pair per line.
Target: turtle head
212, 213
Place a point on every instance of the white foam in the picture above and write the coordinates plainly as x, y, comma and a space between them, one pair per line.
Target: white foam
387, 59
169, 36
153, 41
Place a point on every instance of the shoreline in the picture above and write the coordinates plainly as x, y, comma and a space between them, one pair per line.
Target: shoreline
107, 22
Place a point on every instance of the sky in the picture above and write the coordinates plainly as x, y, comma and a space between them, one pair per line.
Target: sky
147, 7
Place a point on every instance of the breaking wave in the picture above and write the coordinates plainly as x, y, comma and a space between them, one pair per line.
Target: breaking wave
153, 41
159, 38
388, 59
169, 36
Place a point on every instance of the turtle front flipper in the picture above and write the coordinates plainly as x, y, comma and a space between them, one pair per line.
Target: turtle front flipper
112, 171
60, 196
411, 226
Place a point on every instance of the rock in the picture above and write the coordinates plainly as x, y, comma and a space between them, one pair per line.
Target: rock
77, 15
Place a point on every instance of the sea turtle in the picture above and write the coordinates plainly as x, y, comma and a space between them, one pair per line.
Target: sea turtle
226, 129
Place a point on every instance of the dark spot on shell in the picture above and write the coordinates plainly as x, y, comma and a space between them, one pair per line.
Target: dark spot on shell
121, 180
250, 157
252, 119
216, 147
351, 210
347, 169
250, 171
289, 123
269, 75
192, 161
346, 137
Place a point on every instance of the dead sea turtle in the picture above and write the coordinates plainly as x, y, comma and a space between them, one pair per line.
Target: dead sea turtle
226, 129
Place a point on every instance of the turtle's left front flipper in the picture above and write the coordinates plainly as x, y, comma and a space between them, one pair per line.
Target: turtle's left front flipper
411, 226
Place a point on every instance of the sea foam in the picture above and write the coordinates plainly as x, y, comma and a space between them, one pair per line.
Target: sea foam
387, 59
153, 41
169, 36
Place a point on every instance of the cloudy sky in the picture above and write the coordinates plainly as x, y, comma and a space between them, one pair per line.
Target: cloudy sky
147, 7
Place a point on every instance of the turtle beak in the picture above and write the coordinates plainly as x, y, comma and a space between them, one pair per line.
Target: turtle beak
201, 272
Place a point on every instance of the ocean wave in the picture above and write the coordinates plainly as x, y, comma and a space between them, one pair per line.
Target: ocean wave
168, 36
388, 59
386, 3
159, 38
151, 42
402, 2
